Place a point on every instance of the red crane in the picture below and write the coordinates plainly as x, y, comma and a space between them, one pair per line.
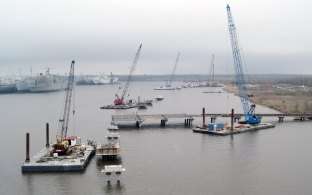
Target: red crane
120, 100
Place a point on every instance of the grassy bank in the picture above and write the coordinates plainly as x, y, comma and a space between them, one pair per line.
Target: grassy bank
286, 99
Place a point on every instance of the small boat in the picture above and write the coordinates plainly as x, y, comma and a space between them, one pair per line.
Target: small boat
159, 97
164, 88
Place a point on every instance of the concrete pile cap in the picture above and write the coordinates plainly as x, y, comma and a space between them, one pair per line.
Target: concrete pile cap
113, 168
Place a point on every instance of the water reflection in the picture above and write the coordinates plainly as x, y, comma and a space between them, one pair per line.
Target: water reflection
29, 183
113, 187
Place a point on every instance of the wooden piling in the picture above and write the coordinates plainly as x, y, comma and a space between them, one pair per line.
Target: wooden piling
204, 117
162, 123
232, 119
47, 135
137, 124
27, 148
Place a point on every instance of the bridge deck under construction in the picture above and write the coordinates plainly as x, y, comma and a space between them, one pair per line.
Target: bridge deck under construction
137, 119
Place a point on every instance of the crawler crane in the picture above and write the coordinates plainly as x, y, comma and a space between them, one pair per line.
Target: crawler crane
62, 144
249, 111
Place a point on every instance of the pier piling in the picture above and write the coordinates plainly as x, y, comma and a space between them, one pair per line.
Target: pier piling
204, 117
232, 119
162, 123
137, 124
47, 135
27, 148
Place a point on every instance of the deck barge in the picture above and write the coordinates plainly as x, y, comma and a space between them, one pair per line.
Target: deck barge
77, 160
122, 106
242, 128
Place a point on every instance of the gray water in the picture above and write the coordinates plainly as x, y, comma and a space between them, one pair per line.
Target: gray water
171, 160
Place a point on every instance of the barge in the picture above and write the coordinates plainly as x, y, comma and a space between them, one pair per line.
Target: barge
238, 128
45, 161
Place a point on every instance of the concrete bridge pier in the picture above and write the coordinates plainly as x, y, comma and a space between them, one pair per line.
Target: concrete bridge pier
163, 123
138, 124
281, 119
188, 122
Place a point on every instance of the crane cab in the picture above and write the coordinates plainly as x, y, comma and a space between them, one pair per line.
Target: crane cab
60, 147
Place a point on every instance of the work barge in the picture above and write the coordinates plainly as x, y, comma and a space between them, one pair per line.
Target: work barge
76, 159
238, 128
229, 129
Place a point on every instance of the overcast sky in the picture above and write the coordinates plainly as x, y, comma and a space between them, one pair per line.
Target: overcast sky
104, 35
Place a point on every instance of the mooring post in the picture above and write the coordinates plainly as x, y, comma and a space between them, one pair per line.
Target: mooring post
27, 148
232, 119
137, 124
204, 122
47, 135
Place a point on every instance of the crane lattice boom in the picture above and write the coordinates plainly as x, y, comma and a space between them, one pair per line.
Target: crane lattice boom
211, 72
174, 70
120, 100
69, 89
240, 78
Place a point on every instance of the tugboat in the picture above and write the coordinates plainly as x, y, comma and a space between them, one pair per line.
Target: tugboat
112, 148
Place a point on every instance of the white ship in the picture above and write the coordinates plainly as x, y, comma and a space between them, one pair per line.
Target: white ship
47, 82
97, 79
7, 86
23, 84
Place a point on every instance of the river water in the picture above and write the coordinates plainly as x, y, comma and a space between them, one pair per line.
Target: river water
171, 160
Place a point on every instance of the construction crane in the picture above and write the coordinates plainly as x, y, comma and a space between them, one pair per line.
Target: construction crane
62, 143
249, 111
211, 72
119, 100
173, 71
